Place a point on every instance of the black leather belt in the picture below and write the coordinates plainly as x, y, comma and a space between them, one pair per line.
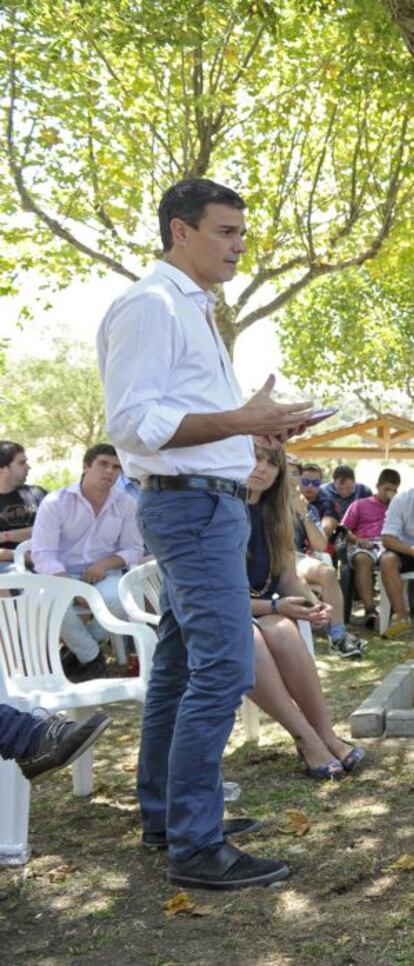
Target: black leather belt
214, 484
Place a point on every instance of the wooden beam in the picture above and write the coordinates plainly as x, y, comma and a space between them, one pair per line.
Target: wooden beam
304, 451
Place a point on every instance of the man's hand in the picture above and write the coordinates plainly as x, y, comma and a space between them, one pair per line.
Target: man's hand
276, 421
300, 503
362, 542
95, 572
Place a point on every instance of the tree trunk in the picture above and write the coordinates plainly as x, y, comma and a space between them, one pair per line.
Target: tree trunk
403, 14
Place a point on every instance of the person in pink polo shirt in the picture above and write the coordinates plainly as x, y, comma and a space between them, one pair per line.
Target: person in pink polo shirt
364, 520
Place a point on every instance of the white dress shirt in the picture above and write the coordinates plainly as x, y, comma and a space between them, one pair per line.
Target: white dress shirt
399, 520
68, 535
160, 360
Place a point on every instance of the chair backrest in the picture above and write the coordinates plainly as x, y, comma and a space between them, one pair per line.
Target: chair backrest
32, 607
19, 556
139, 585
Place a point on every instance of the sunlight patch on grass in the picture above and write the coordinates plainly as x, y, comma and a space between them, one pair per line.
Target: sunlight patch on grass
362, 808
380, 886
294, 906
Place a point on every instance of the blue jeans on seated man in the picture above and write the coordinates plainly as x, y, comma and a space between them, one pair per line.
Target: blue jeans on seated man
18, 732
203, 663
83, 638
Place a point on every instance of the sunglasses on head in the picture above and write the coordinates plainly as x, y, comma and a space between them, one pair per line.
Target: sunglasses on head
305, 481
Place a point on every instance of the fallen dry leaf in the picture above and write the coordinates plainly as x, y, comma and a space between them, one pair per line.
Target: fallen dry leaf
405, 863
59, 873
295, 823
181, 902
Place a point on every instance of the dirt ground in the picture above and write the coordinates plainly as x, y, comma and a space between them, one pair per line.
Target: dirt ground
92, 894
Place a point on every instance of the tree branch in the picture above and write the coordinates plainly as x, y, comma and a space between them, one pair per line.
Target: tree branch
29, 204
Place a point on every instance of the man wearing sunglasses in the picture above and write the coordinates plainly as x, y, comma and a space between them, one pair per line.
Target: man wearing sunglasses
311, 477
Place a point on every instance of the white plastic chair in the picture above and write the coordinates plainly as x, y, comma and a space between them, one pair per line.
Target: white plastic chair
19, 554
385, 606
143, 582
31, 676
117, 642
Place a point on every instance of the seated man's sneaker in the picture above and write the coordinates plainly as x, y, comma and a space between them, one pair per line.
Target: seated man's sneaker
90, 670
224, 867
60, 742
231, 826
348, 646
398, 627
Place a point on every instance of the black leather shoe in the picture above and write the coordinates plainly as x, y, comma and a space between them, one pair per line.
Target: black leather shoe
231, 826
60, 742
224, 867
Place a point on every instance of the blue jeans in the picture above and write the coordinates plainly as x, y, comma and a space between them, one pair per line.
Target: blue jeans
18, 732
203, 663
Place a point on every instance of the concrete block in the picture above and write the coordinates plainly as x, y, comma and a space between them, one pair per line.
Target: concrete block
400, 723
396, 691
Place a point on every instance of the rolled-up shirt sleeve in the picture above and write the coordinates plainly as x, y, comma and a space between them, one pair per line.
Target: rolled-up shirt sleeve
143, 342
130, 543
46, 538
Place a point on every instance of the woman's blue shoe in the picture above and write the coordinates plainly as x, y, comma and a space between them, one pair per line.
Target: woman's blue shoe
332, 771
353, 759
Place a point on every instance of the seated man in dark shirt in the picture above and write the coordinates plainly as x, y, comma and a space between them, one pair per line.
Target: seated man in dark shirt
18, 502
336, 497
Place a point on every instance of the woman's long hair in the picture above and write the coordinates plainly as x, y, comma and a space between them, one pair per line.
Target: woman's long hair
277, 515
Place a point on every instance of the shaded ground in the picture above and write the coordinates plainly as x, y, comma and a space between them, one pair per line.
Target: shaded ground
91, 894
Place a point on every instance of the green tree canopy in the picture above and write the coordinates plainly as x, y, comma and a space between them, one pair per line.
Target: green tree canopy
302, 106
54, 402
356, 333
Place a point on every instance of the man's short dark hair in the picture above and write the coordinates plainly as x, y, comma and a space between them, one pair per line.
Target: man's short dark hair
187, 200
8, 451
389, 476
100, 449
343, 473
311, 468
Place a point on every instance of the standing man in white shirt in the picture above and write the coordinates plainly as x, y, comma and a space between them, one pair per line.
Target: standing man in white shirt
176, 413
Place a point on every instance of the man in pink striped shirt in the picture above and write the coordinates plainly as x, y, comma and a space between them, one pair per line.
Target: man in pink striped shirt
88, 530
364, 520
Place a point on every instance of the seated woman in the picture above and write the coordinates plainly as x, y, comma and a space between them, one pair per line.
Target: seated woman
310, 540
287, 684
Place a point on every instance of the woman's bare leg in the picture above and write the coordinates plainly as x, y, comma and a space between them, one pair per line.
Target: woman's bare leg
300, 678
271, 695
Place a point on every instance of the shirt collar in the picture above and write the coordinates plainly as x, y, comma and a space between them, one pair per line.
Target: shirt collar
186, 284
113, 494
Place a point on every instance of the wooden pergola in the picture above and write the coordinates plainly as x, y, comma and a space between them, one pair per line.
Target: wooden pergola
385, 437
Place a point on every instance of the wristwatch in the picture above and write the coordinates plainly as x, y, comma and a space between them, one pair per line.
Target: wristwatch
275, 602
